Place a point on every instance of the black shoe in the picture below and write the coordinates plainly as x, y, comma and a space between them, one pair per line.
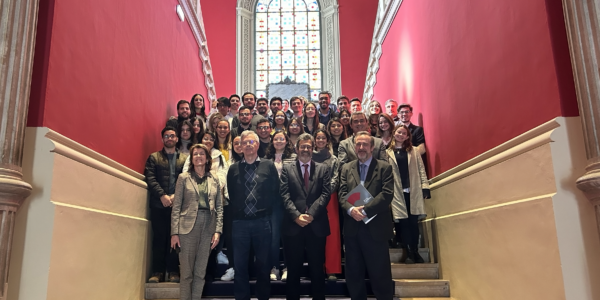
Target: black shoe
410, 257
417, 258
174, 277
156, 277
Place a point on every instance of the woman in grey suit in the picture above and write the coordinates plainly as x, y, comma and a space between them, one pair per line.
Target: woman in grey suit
196, 221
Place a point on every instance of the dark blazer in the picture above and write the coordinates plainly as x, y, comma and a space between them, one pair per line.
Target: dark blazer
157, 172
297, 200
347, 151
380, 183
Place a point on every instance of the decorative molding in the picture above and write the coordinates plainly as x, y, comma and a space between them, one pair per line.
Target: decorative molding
331, 71
529, 140
193, 15
386, 12
80, 153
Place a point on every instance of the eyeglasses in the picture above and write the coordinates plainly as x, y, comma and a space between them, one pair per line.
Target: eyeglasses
359, 121
250, 142
244, 114
169, 136
208, 139
279, 139
263, 127
305, 147
405, 112
279, 117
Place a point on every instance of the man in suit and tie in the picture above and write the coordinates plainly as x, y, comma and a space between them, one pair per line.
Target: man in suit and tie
346, 150
305, 190
366, 244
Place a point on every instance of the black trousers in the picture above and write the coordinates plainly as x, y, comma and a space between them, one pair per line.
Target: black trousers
162, 256
363, 253
294, 247
407, 230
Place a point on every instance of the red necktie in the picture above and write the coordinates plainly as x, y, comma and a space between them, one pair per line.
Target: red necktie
306, 176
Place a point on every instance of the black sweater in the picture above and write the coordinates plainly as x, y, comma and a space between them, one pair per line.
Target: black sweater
266, 190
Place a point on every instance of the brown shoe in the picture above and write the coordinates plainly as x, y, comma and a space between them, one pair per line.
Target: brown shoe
174, 277
156, 277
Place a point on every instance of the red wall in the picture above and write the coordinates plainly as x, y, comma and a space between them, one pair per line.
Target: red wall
478, 72
220, 26
357, 21
108, 73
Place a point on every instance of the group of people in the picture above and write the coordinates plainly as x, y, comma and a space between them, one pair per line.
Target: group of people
252, 175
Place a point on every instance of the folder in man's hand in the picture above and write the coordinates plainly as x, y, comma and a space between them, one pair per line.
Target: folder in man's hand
360, 196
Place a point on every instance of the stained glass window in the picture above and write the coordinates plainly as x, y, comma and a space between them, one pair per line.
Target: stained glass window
288, 44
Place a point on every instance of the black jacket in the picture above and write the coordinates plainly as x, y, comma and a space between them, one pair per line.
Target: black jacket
157, 173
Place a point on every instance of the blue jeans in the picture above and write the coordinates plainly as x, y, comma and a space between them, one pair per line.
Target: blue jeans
256, 234
276, 219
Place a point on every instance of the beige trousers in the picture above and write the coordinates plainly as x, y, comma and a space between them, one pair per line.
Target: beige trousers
193, 257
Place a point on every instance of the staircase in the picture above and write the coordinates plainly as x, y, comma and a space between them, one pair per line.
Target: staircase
412, 281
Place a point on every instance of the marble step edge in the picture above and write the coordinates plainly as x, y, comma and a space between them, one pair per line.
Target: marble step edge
396, 254
415, 271
422, 288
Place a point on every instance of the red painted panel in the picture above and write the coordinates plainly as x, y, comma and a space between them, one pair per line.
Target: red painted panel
116, 70
478, 72
357, 22
220, 26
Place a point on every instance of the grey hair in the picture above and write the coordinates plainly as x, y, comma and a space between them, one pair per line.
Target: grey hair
391, 100
305, 137
361, 133
247, 133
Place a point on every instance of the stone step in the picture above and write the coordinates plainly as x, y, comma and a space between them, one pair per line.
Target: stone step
398, 254
415, 271
422, 288
162, 290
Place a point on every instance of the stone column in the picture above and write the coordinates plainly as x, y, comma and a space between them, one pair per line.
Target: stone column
18, 20
583, 31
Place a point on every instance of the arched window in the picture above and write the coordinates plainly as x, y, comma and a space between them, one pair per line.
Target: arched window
288, 44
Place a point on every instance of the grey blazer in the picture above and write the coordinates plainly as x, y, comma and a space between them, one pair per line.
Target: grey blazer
185, 203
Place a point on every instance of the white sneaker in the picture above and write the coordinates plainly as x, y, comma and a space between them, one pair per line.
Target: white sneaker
228, 276
274, 274
284, 275
222, 258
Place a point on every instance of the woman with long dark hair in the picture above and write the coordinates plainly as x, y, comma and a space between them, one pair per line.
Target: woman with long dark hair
184, 132
310, 118
238, 153
198, 128
196, 221
294, 130
345, 119
280, 152
323, 153
197, 107
410, 188
385, 128
337, 132
280, 122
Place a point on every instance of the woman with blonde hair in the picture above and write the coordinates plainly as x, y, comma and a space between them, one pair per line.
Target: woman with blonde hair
410, 188
196, 221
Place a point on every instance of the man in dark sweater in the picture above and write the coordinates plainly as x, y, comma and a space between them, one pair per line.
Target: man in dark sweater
263, 130
183, 113
162, 169
244, 115
254, 187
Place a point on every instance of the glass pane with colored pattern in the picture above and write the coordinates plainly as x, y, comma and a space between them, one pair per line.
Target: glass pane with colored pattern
314, 95
261, 80
288, 73
302, 76
315, 79
287, 59
314, 59
261, 94
261, 41
301, 59
287, 5
312, 5
274, 60
287, 40
300, 5
314, 40
261, 22
301, 21
301, 38
261, 6
275, 76
287, 21
274, 41
274, 21
274, 6
261, 60
313, 21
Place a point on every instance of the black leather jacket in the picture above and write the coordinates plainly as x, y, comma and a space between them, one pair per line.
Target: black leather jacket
157, 173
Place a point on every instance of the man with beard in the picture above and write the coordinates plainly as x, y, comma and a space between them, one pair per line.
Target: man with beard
346, 150
263, 130
245, 116
297, 106
305, 190
366, 244
343, 103
183, 114
256, 183
418, 135
248, 99
391, 108
161, 172
262, 107
275, 105
326, 111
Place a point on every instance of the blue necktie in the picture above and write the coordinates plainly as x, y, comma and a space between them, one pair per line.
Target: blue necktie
363, 172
